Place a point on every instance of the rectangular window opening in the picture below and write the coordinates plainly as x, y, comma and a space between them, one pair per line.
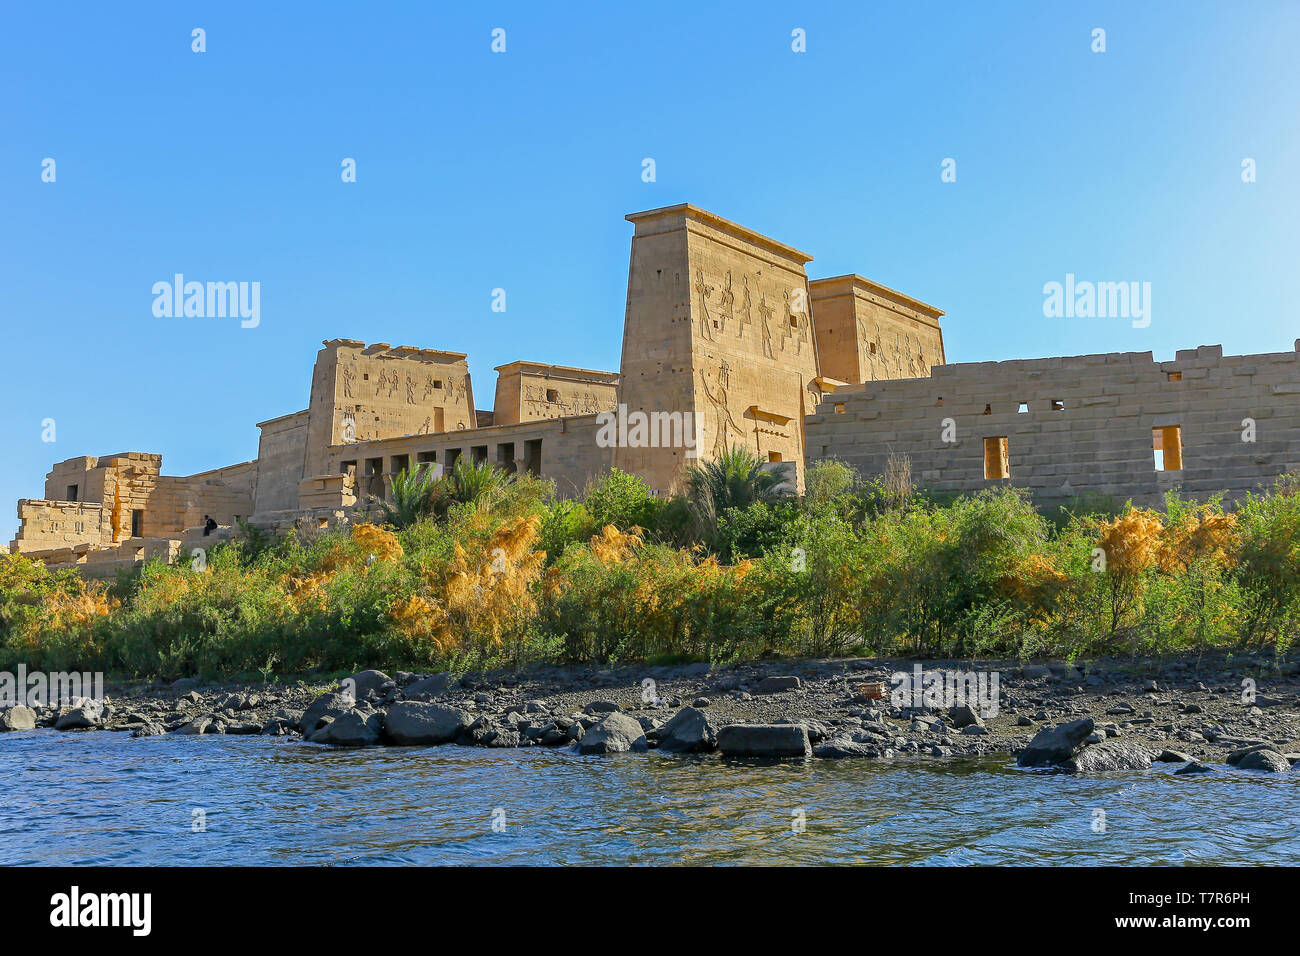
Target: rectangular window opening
72, 493
1023, 409
1058, 405
996, 460
1167, 444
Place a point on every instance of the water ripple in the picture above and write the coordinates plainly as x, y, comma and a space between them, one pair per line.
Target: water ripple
104, 798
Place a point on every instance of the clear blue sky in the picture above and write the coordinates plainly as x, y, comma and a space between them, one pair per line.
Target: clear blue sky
479, 170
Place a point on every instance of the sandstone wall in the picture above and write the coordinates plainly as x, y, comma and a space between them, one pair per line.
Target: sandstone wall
529, 391
365, 392
1087, 424
718, 324
867, 332
45, 524
281, 452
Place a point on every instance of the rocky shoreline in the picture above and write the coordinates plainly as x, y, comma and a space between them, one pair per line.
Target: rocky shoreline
1117, 714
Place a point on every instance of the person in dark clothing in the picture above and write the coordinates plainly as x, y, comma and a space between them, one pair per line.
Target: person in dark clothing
209, 525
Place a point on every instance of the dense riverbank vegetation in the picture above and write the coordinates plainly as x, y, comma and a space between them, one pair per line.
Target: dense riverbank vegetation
484, 569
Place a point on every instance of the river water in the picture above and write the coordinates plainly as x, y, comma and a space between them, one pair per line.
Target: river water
104, 798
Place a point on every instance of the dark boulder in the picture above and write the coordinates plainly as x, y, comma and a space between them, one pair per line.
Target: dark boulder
1053, 745
1269, 760
613, 733
765, 740
326, 705
18, 717
689, 730
353, 728
429, 687
963, 715
363, 683
777, 685
842, 747
87, 714
1110, 755
421, 723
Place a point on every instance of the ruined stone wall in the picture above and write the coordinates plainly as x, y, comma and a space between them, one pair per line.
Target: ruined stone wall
1087, 424
867, 332
528, 391
281, 452
46, 524
112, 488
718, 324
227, 494
365, 392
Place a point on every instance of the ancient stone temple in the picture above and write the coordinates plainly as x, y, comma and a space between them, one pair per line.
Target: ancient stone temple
726, 342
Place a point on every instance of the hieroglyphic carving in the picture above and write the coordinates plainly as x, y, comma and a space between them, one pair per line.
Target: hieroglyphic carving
348, 376
410, 390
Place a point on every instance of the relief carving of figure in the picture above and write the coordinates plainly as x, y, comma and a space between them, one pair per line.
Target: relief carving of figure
348, 376
765, 316
429, 387
706, 321
746, 312
722, 419
727, 308
410, 390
